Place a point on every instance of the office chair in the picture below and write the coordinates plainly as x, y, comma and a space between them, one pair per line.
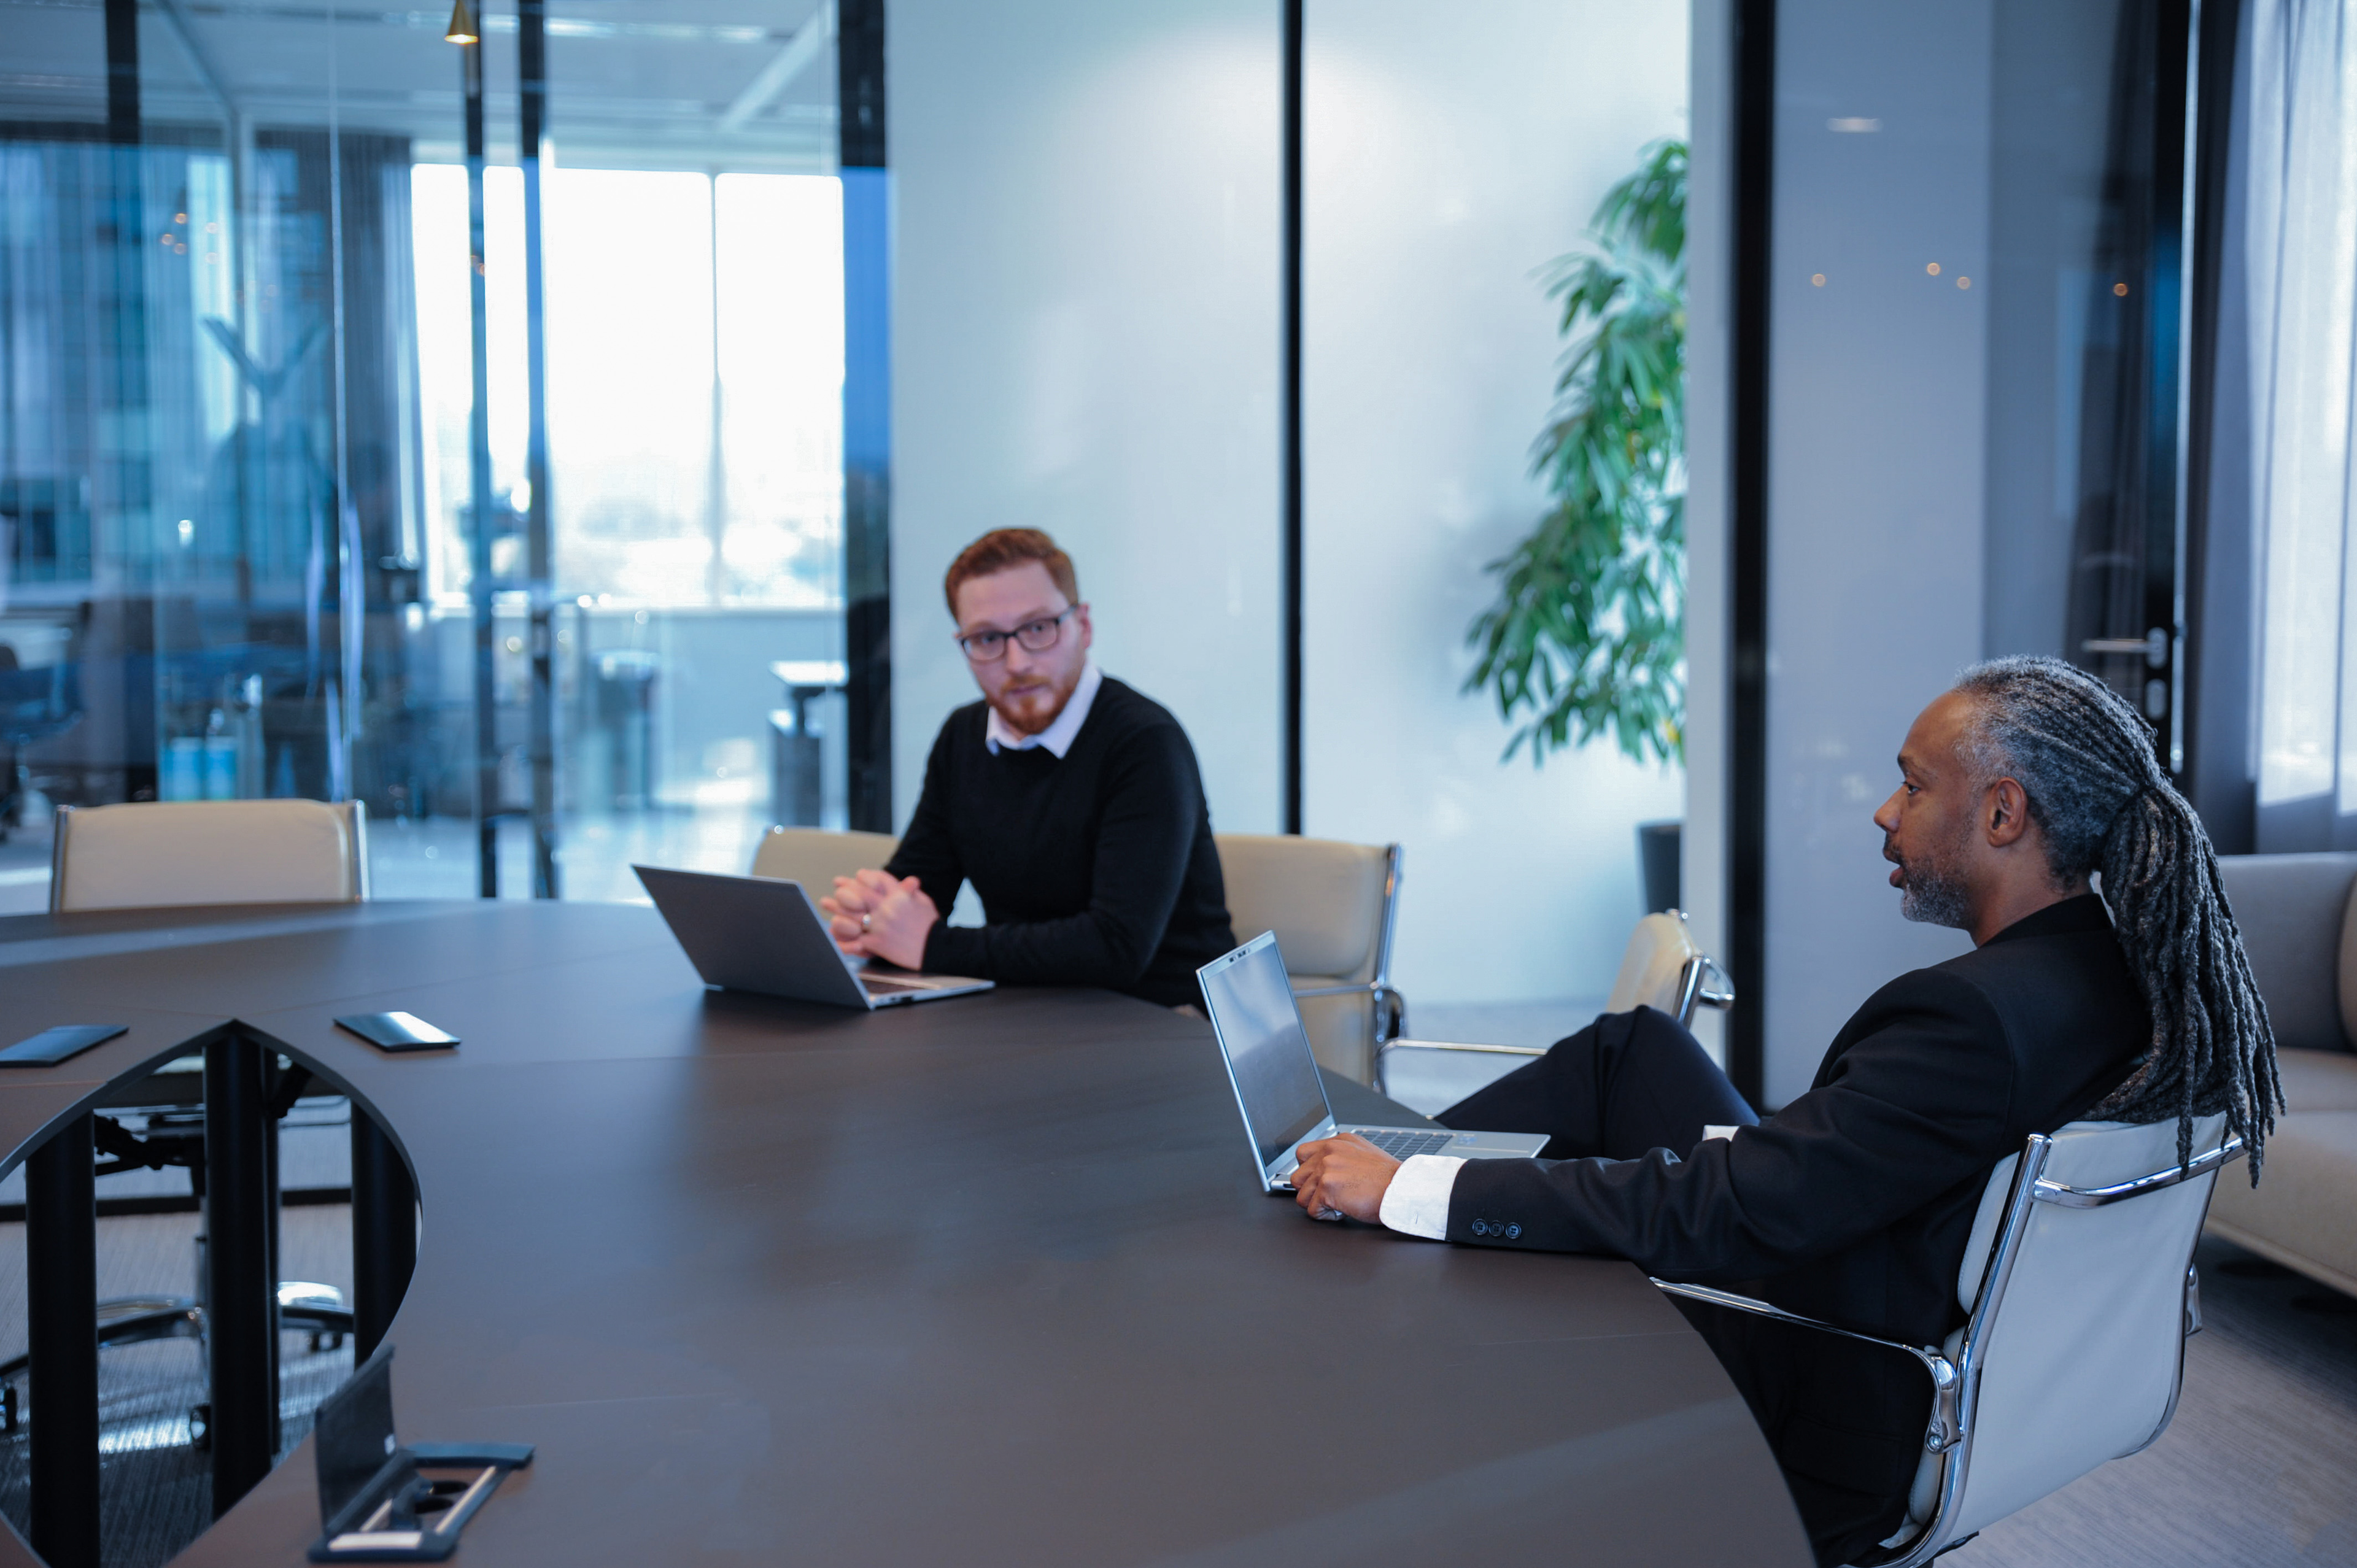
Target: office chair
815, 856
182, 853
2079, 1277
304, 1306
161, 852
1333, 907
35, 704
1661, 968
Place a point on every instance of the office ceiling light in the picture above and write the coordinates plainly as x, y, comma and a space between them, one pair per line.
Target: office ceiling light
462, 25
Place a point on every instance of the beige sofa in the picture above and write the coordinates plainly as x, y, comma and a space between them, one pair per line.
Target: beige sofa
2299, 925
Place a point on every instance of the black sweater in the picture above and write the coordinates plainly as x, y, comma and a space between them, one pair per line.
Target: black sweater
1854, 1203
1093, 869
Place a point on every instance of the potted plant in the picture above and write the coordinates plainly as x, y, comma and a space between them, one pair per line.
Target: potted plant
1587, 634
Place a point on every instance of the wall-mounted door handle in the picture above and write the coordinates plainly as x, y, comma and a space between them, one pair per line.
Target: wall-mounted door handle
2153, 645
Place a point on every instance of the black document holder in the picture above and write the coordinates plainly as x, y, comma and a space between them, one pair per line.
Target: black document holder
51, 1046
398, 1032
382, 1503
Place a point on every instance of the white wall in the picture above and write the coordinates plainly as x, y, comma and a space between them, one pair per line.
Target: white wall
1447, 157
1085, 340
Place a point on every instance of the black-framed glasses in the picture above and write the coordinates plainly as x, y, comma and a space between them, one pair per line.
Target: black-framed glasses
1035, 636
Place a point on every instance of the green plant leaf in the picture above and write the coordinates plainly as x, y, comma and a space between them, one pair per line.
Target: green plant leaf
1586, 635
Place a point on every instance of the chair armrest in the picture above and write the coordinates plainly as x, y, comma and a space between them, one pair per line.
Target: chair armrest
1384, 1048
1390, 1045
1358, 988
1947, 1388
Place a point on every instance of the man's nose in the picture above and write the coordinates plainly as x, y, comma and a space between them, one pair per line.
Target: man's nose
1886, 816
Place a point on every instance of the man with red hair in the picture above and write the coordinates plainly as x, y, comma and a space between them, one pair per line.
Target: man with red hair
1071, 802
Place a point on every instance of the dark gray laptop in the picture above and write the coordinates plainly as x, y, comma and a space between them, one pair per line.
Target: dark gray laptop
1250, 999
764, 934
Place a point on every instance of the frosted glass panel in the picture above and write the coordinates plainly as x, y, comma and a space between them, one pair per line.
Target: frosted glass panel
1085, 340
1446, 167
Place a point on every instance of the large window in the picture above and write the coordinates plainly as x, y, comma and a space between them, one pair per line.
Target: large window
681, 477
238, 518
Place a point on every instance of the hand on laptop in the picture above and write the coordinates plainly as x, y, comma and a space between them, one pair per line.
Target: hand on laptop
1345, 1173
874, 915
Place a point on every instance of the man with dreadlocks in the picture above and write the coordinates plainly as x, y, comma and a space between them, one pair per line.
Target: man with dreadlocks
1854, 1203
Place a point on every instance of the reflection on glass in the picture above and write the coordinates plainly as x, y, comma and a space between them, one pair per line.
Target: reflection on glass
235, 510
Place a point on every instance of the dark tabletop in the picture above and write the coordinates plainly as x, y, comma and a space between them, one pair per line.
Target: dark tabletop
982, 1282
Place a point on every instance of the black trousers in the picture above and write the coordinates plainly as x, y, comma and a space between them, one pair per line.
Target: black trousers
1635, 1081
1628, 1083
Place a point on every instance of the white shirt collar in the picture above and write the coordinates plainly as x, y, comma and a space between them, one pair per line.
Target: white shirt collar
1057, 737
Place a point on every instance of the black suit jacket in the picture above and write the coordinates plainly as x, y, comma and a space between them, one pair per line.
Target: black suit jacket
1854, 1203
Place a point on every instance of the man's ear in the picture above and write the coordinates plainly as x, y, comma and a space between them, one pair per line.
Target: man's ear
2006, 812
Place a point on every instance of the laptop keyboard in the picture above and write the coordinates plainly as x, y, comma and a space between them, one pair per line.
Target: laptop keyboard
1400, 1143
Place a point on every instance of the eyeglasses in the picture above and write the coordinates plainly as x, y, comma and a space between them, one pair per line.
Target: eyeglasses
1035, 636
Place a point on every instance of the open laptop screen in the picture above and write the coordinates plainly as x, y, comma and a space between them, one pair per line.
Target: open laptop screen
1251, 1004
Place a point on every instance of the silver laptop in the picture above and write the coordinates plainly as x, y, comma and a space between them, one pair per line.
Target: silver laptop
1250, 1000
763, 933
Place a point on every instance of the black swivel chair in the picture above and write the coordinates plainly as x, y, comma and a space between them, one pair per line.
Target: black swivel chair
35, 704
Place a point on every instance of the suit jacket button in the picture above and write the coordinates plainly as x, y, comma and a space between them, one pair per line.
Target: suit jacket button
1479, 1228
1512, 1232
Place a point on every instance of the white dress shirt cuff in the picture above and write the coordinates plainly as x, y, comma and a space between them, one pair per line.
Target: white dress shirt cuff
1416, 1203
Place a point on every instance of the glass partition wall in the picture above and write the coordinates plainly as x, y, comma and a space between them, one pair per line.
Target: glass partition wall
267, 431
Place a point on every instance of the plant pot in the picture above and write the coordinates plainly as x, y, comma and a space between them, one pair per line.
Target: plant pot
1658, 845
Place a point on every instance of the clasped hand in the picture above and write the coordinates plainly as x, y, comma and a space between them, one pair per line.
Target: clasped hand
1344, 1173
874, 915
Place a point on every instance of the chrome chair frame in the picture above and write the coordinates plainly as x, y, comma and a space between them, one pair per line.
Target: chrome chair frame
304, 1306
1955, 1382
1701, 984
1391, 1007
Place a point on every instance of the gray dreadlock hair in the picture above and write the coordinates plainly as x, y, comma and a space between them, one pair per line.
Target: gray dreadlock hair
2084, 758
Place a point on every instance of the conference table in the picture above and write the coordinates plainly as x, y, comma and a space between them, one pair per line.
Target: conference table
985, 1280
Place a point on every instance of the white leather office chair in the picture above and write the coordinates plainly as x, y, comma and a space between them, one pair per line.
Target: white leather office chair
160, 853
1661, 968
2079, 1278
815, 857
1332, 906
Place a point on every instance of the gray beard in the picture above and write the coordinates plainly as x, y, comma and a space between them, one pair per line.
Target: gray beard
1933, 895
